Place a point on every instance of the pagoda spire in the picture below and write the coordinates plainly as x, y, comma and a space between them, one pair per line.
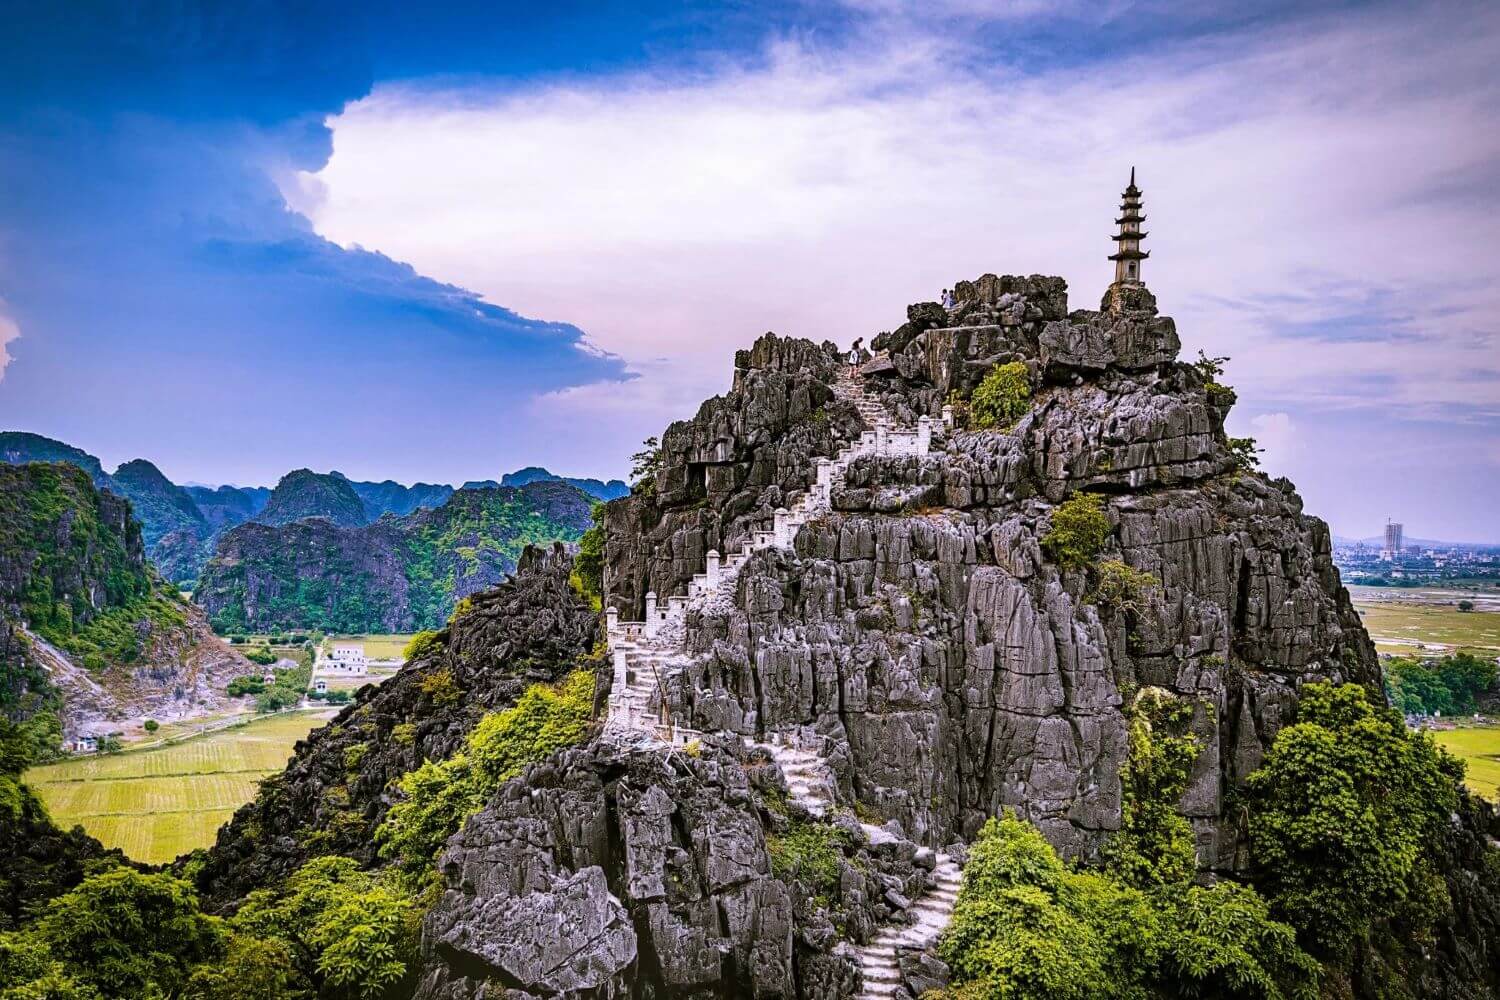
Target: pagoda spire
1128, 253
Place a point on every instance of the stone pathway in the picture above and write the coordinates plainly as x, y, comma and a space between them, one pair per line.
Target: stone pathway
931, 912
649, 654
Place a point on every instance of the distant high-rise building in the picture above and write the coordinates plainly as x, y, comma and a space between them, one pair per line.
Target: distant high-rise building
1392, 550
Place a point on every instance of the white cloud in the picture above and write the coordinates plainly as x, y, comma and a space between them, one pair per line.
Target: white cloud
816, 192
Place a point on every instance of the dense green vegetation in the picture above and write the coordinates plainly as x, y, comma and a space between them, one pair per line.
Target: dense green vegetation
331, 931
398, 574
1001, 398
1079, 530
1340, 814
1027, 925
810, 851
438, 797
1450, 686
88, 589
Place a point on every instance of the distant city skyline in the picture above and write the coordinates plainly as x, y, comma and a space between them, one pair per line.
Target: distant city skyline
418, 245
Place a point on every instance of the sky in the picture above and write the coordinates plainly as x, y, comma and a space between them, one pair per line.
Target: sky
439, 244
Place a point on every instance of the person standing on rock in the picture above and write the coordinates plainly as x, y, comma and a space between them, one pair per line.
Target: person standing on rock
947, 298
854, 359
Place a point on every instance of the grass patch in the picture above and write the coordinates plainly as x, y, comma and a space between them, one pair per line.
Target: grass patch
1397, 626
1479, 749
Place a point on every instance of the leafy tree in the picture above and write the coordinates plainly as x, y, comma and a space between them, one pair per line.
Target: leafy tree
1079, 530
253, 969
1027, 926
1245, 452
1449, 686
1341, 812
129, 934
1120, 586
645, 464
29, 972
1466, 605
110, 744
1002, 397
349, 933
151, 725
588, 565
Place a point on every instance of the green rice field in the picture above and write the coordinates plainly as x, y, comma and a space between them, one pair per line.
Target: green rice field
157, 804
1480, 750
1403, 624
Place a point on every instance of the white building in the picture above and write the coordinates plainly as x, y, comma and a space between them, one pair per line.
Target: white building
347, 658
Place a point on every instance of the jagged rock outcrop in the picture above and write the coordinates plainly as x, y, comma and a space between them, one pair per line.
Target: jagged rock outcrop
922, 628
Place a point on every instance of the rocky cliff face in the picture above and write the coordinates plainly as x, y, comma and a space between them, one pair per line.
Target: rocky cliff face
921, 628
159, 504
396, 575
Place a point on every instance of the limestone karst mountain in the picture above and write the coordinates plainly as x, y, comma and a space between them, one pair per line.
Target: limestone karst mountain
87, 628
845, 631
399, 574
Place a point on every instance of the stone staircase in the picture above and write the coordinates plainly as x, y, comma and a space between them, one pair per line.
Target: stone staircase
648, 654
878, 966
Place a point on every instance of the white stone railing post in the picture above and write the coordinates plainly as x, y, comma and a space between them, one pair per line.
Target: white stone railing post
611, 620
880, 436
713, 568
622, 672
947, 415
924, 434
780, 528
651, 620
825, 471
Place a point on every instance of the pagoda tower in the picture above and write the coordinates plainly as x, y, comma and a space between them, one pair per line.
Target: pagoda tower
1128, 253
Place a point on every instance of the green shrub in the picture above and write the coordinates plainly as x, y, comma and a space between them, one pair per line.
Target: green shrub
422, 645
1342, 813
261, 655
1450, 685
1002, 397
129, 934
151, 725
1154, 845
1079, 530
1245, 452
440, 688
464, 606
587, 576
353, 754
1120, 586
438, 797
404, 734
811, 852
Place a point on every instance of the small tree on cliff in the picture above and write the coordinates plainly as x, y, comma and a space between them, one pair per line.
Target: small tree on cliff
1079, 530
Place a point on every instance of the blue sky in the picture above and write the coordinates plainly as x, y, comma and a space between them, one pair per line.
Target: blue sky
438, 245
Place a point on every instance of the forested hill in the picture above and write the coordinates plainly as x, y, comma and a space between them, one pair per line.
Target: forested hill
87, 628
395, 575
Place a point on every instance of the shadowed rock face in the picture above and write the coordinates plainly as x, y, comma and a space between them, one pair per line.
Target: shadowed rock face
921, 626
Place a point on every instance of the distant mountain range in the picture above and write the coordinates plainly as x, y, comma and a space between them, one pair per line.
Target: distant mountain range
182, 525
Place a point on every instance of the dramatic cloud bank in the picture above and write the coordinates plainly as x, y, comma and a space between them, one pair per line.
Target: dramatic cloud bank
1319, 194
